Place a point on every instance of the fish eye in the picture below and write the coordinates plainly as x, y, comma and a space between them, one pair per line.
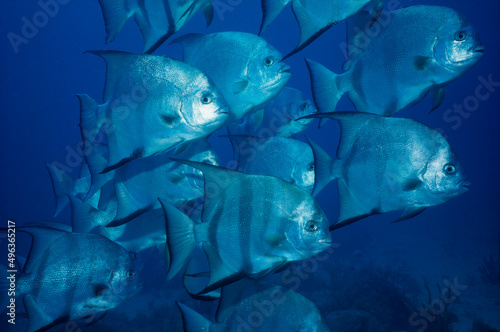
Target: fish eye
311, 226
269, 61
460, 36
310, 167
303, 106
449, 169
206, 99
130, 275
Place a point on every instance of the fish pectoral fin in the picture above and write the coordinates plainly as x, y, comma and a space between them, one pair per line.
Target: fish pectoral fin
221, 273
410, 213
422, 63
240, 86
275, 240
99, 289
411, 184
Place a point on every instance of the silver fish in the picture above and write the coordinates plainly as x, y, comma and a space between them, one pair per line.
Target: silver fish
63, 280
286, 158
152, 104
157, 19
316, 17
419, 51
388, 164
279, 118
252, 225
246, 69
247, 303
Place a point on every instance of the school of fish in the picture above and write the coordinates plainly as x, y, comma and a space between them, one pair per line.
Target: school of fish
151, 179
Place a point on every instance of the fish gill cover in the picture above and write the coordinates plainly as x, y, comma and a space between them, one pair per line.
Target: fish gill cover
246, 163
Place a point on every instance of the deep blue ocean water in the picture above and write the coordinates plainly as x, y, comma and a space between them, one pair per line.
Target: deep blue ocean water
39, 114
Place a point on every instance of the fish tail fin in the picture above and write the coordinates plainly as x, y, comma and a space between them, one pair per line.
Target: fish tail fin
180, 238
310, 27
270, 10
116, 14
193, 321
62, 184
5, 281
325, 88
324, 167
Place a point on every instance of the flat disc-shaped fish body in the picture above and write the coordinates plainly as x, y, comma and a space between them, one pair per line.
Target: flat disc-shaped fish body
388, 164
153, 104
421, 49
251, 226
278, 117
288, 310
245, 68
286, 158
316, 17
74, 275
140, 183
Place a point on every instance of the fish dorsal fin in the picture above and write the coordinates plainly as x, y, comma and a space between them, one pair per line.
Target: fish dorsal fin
356, 36
42, 239
115, 61
350, 124
96, 163
62, 183
215, 178
89, 126
270, 10
153, 34
221, 273
37, 319
190, 43
410, 212
82, 216
128, 207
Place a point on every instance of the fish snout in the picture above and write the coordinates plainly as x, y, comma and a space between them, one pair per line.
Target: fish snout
478, 48
285, 69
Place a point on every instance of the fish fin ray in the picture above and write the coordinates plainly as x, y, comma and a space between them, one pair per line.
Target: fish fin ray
326, 93
115, 16
270, 10
180, 238
323, 167
410, 212
193, 321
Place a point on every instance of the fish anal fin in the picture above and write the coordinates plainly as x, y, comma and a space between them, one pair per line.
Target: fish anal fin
220, 272
350, 209
437, 97
239, 86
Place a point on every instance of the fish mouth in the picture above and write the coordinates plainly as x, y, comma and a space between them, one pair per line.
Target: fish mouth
478, 49
466, 183
222, 110
285, 69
